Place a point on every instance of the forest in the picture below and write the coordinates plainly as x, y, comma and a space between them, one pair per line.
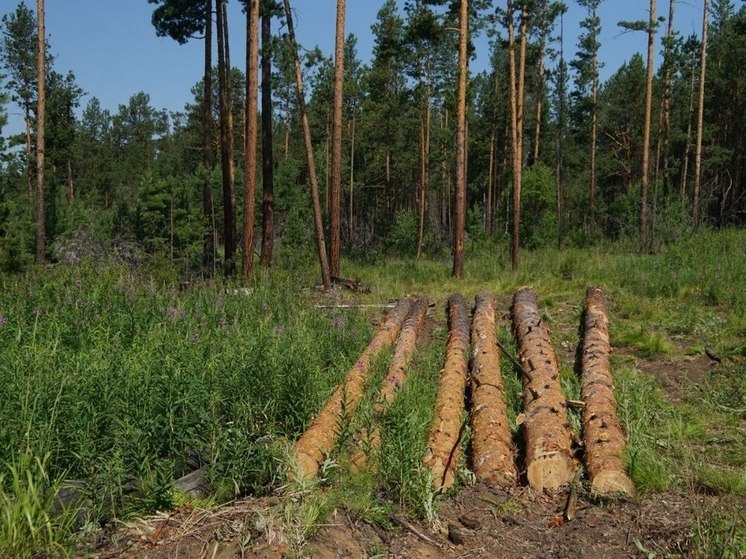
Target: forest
175, 187
185, 296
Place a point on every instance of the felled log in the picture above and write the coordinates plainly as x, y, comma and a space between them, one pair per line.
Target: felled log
602, 431
492, 444
309, 451
442, 455
547, 434
370, 440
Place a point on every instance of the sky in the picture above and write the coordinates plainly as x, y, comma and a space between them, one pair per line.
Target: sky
112, 48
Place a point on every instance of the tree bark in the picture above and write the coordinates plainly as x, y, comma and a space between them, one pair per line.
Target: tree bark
492, 441
424, 163
226, 144
645, 232
351, 216
687, 150
442, 455
540, 84
310, 450
40, 138
549, 462
268, 196
667, 102
208, 243
602, 430
252, 86
460, 209
700, 119
321, 244
336, 194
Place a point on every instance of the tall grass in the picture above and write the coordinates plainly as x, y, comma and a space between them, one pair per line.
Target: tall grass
125, 382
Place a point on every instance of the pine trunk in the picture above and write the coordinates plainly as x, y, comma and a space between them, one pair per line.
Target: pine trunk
208, 242
320, 242
645, 233
700, 119
226, 155
460, 206
40, 138
252, 86
335, 210
268, 196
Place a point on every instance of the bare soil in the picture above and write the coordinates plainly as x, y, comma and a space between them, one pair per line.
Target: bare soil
479, 522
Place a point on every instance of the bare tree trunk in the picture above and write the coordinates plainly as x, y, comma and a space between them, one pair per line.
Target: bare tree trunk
325, 275
252, 86
667, 102
268, 196
352, 180
40, 139
29, 154
560, 132
540, 88
226, 153
687, 150
645, 233
700, 118
490, 186
335, 213
460, 210
424, 163
70, 182
208, 243
516, 104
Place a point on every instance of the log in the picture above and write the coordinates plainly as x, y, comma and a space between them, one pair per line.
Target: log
547, 434
370, 441
492, 442
604, 437
442, 452
310, 450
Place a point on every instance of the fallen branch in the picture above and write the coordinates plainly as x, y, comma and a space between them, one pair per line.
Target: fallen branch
408, 526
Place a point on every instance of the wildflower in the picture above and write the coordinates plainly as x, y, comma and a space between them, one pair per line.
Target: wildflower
3, 320
195, 338
175, 314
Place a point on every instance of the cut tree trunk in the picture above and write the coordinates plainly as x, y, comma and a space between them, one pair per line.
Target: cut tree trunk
336, 201
602, 431
549, 462
442, 455
491, 439
268, 179
318, 440
370, 441
308, 143
700, 117
250, 143
460, 208
40, 139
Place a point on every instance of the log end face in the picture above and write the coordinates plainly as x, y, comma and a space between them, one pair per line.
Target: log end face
612, 483
550, 472
305, 466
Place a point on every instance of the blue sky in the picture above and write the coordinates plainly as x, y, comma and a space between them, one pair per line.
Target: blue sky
112, 48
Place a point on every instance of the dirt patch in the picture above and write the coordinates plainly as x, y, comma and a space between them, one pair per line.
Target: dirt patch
484, 522
678, 375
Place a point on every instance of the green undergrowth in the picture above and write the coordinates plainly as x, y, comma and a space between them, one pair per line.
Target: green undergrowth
125, 382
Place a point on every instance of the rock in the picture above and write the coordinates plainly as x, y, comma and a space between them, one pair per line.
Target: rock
470, 522
456, 535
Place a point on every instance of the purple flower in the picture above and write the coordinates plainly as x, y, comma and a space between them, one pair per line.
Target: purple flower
279, 329
338, 320
78, 283
175, 314
3, 320
195, 338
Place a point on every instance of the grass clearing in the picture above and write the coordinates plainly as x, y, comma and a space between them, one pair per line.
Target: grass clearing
120, 381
